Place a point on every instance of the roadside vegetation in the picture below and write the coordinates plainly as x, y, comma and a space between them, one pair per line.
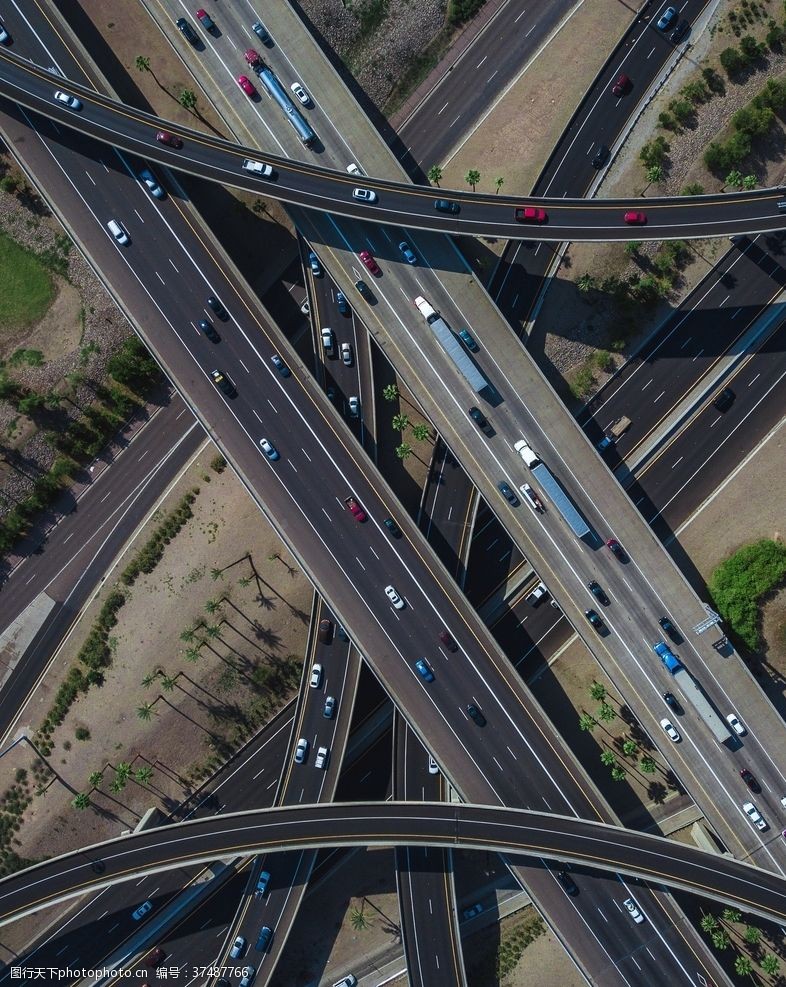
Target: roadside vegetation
754, 947
27, 286
490, 967
739, 585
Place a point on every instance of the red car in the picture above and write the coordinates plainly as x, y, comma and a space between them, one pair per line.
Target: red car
368, 259
635, 218
164, 137
252, 57
617, 549
205, 19
530, 214
245, 84
355, 509
621, 86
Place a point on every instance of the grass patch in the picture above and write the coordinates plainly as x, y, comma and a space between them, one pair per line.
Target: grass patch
740, 582
28, 290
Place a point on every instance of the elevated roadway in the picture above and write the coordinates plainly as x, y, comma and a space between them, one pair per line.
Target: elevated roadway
470, 827
312, 187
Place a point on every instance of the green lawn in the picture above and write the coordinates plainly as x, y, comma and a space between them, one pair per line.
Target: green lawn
27, 287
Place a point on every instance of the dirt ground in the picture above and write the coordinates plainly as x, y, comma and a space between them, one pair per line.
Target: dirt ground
516, 138
201, 708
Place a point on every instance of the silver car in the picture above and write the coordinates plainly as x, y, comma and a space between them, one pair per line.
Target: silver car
67, 100
301, 751
152, 183
394, 598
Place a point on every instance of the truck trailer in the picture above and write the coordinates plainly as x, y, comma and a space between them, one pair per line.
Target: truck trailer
452, 346
690, 689
549, 484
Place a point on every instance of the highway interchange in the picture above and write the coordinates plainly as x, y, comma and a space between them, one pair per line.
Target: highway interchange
365, 501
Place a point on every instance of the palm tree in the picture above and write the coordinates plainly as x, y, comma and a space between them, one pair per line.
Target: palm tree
244, 581
357, 919
188, 100
734, 178
752, 934
743, 966
435, 174
618, 773
472, 178
145, 712
80, 801
123, 770
607, 757
118, 785
648, 765
587, 722
211, 606
192, 654
95, 778
400, 423
598, 691
499, 182
708, 922
216, 574
732, 915
149, 679
213, 631
749, 183
143, 774
421, 432
770, 964
629, 748
168, 682
606, 713
720, 940
404, 451
143, 65
585, 283
390, 392
188, 635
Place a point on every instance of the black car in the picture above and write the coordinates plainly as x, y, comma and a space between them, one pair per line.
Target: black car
670, 629
448, 641
363, 288
475, 714
507, 493
392, 527
750, 780
724, 400
601, 156
478, 417
188, 32
671, 700
567, 882
341, 631
218, 308
223, 383
209, 330
597, 591
679, 32
594, 619
445, 205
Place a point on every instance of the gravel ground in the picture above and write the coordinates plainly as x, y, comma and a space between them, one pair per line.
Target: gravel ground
378, 58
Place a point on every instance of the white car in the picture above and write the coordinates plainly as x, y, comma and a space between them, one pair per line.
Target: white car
354, 406
152, 183
3, 34
238, 948
754, 815
394, 598
258, 168
364, 194
301, 751
633, 910
349, 981
671, 733
269, 449
316, 676
346, 354
736, 725
70, 101
327, 340
353, 169
300, 93
433, 767
117, 231
320, 761
305, 308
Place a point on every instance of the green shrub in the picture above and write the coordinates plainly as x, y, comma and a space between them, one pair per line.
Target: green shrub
732, 61
462, 10
654, 152
667, 121
82, 733
682, 110
218, 464
696, 91
739, 583
693, 188
753, 120
751, 48
714, 81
